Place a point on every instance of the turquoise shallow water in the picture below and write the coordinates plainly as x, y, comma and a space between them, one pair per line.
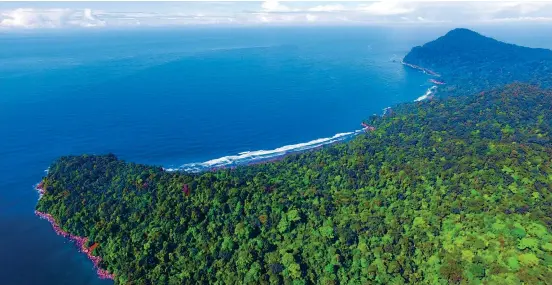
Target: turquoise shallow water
176, 97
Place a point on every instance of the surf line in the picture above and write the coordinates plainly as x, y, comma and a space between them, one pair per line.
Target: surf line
258, 156
428, 94
424, 70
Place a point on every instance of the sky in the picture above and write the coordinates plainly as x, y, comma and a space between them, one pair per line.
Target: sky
42, 15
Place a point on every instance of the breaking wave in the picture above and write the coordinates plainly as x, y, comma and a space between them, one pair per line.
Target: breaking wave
248, 157
428, 93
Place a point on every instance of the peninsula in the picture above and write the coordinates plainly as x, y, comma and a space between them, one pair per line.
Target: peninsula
455, 190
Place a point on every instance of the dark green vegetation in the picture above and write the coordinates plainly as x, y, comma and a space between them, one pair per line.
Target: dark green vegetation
448, 191
470, 62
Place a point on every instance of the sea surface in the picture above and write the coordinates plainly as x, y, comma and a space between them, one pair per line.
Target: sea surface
187, 99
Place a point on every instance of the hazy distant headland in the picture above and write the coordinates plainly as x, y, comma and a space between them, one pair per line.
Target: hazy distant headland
470, 62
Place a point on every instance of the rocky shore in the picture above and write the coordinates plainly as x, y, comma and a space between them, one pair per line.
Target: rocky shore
81, 242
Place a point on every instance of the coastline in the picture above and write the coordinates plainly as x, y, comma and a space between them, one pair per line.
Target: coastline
79, 241
40, 189
429, 93
437, 82
261, 156
249, 158
256, 159
424, 70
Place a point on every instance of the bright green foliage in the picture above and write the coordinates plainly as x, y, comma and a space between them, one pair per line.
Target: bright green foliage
422, 200
513, 263
518, 232
528, 259
530, 243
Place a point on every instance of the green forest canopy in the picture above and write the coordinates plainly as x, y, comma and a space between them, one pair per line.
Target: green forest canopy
447, 191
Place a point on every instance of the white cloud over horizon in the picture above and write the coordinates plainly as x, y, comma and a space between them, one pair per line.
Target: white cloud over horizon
32, 15
49, 18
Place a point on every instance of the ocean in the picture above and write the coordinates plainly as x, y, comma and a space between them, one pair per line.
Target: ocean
188, 99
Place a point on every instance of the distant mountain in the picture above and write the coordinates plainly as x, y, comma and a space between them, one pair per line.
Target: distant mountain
470, 62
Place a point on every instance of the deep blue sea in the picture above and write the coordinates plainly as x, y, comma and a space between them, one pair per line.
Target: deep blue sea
182, 98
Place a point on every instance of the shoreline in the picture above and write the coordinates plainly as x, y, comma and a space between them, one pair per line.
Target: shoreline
79, 241
424, 70
431, 91
261, 156
437, 82
227, 163
40, 189
268, 159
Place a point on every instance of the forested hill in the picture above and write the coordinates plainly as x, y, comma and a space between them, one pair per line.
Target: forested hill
471, 62
447, 191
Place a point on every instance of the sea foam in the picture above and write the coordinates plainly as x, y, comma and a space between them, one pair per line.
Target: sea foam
248, 157
428, 93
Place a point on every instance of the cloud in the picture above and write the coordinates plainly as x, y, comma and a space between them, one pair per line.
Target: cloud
273, 12
311, 18
382, 8
523, 19
507, 11
274, 6
522, 8
263, 18
327, 8
30, 18
531, 7
90, 20
385, 8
